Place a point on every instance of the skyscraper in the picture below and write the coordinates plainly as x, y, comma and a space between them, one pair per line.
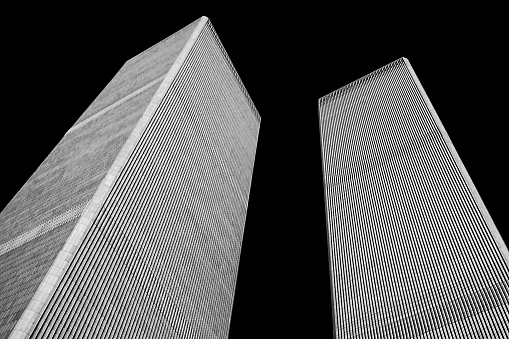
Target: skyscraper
413, 251
132, 226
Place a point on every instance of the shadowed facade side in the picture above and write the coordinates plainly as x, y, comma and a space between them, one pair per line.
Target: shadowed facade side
413, 251
133, 225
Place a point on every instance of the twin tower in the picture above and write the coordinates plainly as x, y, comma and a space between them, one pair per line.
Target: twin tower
132, 226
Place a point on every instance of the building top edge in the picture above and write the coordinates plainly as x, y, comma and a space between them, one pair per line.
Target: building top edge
195, 22
326, 98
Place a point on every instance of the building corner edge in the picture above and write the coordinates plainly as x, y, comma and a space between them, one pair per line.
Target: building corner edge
335, 325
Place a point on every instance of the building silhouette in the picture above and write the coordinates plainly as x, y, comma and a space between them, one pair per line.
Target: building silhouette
413, 251
132, 226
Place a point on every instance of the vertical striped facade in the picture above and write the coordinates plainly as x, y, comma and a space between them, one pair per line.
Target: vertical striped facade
145, 199
413, 250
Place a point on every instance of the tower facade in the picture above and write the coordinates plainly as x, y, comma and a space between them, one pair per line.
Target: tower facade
132, 226
413, 252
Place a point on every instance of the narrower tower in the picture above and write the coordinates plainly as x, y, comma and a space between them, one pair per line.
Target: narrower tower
413, 250
132, 227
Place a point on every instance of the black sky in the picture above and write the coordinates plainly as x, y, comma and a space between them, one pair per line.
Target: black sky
286, 63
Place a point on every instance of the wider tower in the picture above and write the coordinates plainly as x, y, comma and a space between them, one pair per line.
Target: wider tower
132, 226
